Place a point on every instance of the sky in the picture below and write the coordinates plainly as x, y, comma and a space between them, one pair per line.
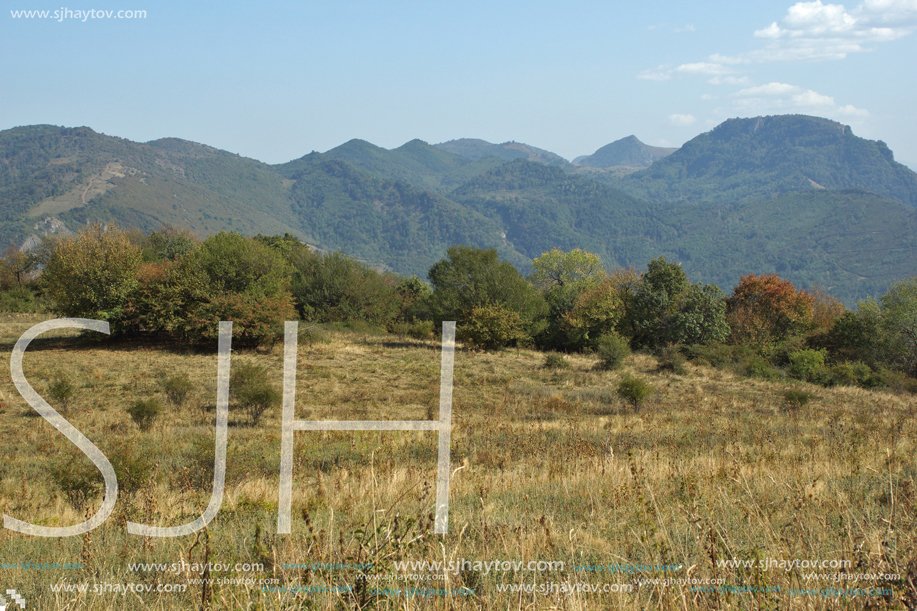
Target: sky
276, 80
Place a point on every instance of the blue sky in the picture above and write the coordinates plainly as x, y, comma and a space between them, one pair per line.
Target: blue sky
276, 80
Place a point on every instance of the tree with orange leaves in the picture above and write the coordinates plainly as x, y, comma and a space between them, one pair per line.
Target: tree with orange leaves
767, 309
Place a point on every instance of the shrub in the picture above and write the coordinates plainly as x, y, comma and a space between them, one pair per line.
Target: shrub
78, 479
132, 465
492, 327
612, 350
249, 387
256, 320
177, 388
671, 359
143, 413
853, 373
419, 329
62, 391
21, 299
422, 329
808, 365
634, 390
555, 361
896, 380
796, 398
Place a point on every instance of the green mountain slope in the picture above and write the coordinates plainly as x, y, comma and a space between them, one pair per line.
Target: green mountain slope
764, 157
852, 242
416, 163
384, 222
77, 175
543, 207
401, 209
474, 148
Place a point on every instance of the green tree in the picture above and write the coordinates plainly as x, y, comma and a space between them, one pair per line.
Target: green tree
899, 322
168, 244
599, 310
336, 288
699, 316
562, 277
576, 268
91, 275
471, 278
237, 264
654, 302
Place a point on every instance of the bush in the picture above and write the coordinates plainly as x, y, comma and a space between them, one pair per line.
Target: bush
555, 361
132, 465
796, 398
21, 299
249, 387
897, 381
612, 350
853, 373
492, 327
634, 390
671, 359
62, 391
78, 479
808, 365
256, 320
177, 388
143, 413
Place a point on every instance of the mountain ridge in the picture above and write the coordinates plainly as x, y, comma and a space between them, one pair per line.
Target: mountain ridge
753, 195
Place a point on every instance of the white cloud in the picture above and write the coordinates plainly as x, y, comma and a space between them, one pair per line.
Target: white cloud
681, 120
812, 98
782, 97
769, 89
814, 31
662, 73
702, 68
686, 28
666, 72
709, 96
729, 80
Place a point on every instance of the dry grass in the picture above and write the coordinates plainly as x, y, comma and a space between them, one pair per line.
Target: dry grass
550, 465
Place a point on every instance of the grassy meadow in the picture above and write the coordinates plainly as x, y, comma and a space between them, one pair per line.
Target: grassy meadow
548, 464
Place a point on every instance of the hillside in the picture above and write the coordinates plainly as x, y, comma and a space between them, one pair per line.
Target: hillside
78, 175
400, 209
474, 148
744, 160
416, 163
385, 222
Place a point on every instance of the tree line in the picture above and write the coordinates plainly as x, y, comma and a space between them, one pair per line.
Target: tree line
170, 286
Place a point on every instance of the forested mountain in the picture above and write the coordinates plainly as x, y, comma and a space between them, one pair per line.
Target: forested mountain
474, 148
799, 196
415, 162
744, 160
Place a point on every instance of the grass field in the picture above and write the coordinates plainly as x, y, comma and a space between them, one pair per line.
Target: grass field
548, 465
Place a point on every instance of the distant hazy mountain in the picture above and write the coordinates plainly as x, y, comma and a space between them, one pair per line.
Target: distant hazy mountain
473, 148
624, 152
743, 160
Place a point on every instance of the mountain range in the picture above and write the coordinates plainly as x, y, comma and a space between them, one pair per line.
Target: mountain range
800, 196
